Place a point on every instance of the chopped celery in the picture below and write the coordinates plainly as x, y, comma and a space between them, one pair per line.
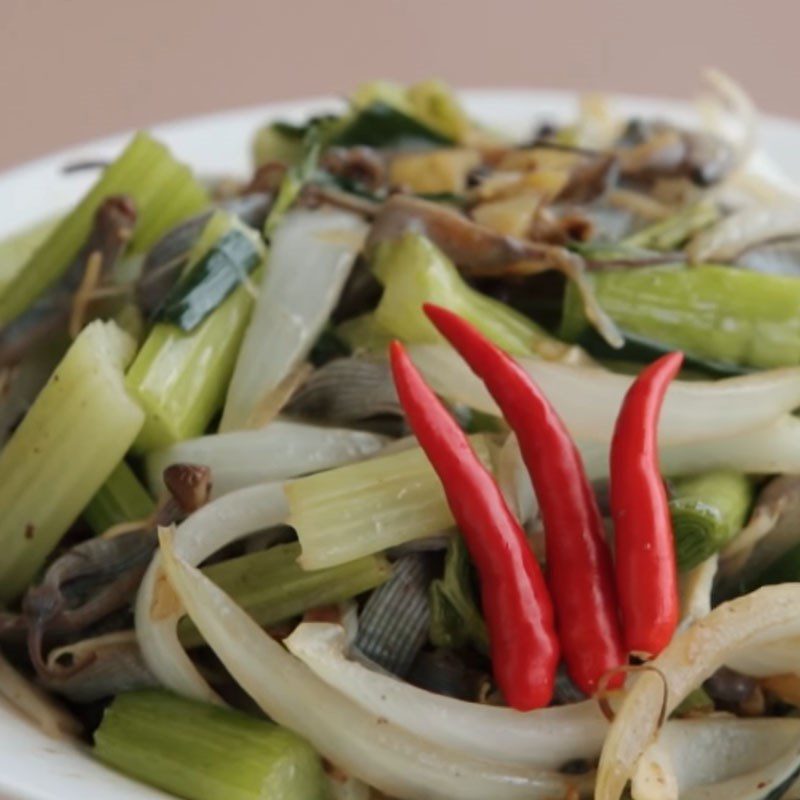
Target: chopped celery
221, 259
19, 247
414, 271
181, 377
272, 587
163, 190
387, 92
673, 232
77, 431
696, 702
367, 507
122, 498
203, 752
435, 104
364, 334
707, 512
715, 313
455, 619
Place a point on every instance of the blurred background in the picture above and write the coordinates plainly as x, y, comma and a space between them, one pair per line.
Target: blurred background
77, 69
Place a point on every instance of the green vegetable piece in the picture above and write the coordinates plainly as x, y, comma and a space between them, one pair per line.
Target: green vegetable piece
181, 377
363, 334
16, 250
381, 125
272, 587
434, 103
455, 618
122, 498
212, 278
673, 232
75, 434
203, 752
164, 192
413, 271
707, 512
713, 313
297, 176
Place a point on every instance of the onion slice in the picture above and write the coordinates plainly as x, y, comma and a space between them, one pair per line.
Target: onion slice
749, 622
311, 256
157, 609
279, 451
364, 745
546, 738
693, 410
717, 758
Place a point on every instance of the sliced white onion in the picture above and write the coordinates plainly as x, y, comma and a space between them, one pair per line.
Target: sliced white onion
589, 398
547, 738
279, 451
774, 449
707, 757
775, 658
695, 591
27, 699
202, 534
514, 481
364, 745
311, 256
747, 623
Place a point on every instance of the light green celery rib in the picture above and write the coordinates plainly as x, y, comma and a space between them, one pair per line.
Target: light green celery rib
180, 377
122, 498
364, 508
414, 271
716, 313
203, 752
164, 192
77, 431
16, 249
272, 587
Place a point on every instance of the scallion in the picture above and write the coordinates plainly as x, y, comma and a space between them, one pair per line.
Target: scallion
707, 511
122, 498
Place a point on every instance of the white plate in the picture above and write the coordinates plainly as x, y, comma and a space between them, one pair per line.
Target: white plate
33, 767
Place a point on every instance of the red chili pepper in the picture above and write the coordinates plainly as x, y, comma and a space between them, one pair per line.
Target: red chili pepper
579, 566
647, 576
516, 603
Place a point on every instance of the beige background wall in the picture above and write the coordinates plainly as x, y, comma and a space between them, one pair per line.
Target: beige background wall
74, 69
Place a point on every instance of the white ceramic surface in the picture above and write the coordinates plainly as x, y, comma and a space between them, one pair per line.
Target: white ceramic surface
32, 766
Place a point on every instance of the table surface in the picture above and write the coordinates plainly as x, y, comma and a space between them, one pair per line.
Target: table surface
77, 69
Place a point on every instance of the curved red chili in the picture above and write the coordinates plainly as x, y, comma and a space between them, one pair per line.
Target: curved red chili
647, 575
516, 604
579, 566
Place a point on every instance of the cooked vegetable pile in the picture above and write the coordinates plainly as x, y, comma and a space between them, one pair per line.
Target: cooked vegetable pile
419, 463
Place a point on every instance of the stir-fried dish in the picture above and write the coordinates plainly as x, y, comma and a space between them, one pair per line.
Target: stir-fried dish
419, 463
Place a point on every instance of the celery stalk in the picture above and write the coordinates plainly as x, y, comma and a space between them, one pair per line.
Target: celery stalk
19, 247
181, 377
202, 752
122, 498
272, 587
673, 232
707, 512
163, 190
77, 431
363, 334
716, 313
363, 508
414, 271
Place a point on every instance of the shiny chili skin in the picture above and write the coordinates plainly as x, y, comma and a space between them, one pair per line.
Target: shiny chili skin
579, 565
647, 575
516, 603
